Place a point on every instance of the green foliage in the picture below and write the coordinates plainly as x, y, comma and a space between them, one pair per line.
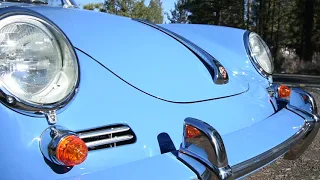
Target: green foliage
220, 12
178, 14
140, 10
155, 11
94, 6
111, 6
203, 12
292, 25
131, 8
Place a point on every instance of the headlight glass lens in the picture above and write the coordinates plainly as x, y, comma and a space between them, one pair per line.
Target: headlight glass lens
260, 53
37, 64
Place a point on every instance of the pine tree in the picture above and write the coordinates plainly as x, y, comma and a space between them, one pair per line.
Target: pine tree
94, 6
131, 8
140, 10
155, 12
178, 14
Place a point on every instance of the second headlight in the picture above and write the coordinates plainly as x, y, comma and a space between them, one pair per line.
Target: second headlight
38, 65
260, 54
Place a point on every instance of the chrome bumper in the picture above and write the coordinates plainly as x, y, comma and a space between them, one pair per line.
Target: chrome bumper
209, 150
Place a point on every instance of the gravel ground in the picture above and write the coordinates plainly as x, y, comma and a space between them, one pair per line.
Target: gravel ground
305, 168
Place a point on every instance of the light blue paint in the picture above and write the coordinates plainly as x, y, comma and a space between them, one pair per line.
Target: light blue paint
159, 65
267, 134
161, 167
104, 99
243, 121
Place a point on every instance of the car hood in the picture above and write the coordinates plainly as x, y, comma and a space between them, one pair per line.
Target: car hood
142, 56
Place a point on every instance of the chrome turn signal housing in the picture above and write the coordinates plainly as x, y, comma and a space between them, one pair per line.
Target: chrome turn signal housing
279, 91
63, 147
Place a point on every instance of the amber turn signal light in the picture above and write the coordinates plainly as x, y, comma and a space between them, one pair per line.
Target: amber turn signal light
71, 151
191, 131
284, 91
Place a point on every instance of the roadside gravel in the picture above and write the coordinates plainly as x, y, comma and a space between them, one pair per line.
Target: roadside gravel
305, 168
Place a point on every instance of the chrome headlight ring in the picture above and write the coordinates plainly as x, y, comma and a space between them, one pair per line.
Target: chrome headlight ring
259, 53
39, 69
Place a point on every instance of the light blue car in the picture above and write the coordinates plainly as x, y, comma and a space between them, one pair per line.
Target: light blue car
88, 95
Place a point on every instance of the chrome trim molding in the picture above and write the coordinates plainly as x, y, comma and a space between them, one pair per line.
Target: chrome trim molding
109, 141
309, 112
293, 147
51, 116
219, 74
103, 132
203, 172
208, 148
309, 99
244, 168
312, 122
273, 90
108, 136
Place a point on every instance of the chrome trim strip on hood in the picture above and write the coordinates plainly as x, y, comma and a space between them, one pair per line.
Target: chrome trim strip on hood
215, 68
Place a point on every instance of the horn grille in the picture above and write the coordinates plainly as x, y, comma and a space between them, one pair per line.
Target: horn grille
107, 136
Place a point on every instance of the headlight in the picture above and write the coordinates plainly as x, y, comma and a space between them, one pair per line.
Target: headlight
260, 54
38, 65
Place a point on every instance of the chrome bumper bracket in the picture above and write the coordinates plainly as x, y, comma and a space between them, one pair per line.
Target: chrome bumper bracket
208, 148
308, 111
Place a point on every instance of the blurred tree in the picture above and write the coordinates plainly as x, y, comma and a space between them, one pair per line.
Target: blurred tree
111, 6
178, 14
94, 6
232, 13
203, 11
219, 12
286, 25
248, 11
316, 28
139, 10
131, 8
155, 11
308, 28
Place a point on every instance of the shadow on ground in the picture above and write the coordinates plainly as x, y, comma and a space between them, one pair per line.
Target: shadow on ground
305, 168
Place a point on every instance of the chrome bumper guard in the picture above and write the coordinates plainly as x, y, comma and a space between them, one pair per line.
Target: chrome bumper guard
209, 150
